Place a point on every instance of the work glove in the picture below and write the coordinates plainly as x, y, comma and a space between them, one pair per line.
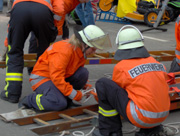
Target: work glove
3, 56
78, 96
83, 96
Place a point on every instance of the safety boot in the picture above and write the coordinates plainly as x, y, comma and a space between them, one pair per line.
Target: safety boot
156, 131
97, 133
12, 100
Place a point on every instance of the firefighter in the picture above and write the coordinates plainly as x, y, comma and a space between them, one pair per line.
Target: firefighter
175, 65
138, 90
41, 17
59, 73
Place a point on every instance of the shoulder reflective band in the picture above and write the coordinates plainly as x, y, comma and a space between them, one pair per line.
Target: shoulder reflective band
56, 17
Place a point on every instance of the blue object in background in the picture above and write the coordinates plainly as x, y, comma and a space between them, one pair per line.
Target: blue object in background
1, 5
85, 13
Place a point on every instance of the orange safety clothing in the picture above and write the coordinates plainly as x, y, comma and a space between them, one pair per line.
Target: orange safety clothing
6, 42
69, 5
58, 62
144, 79
177, 36
59, 7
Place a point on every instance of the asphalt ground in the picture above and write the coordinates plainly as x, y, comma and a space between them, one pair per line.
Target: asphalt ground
155, 40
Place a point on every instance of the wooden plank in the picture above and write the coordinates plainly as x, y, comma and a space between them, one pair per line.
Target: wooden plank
67, 117
63, 126
89, 112
40, 121
47, 116
100, 58
31, 56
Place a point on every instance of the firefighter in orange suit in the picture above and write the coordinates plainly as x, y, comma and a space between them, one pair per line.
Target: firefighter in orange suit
175, 65
138, 90
26, 16
59, 73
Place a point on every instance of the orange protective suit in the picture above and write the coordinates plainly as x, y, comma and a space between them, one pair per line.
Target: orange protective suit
58, 62
149, 99
177, 36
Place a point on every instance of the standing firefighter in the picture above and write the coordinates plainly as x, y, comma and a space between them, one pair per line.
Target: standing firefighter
59, 73
138, 90
38, 16
175, 65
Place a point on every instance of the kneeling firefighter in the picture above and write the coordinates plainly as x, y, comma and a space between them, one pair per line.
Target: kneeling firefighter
59, 73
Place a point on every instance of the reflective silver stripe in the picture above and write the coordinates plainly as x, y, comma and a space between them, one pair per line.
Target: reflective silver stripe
73, 94
154, 115
177, 52
50, 47
48, 1
36, 79
56, 17
178, 19
44, 0
177, 60
147, 114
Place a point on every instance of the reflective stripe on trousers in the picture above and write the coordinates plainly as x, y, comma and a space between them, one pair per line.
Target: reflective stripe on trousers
38, 101
107, 113
153, 115
14, 77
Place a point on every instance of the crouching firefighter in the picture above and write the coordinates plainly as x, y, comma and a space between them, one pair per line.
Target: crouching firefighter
59, 73
175, 65
138, 90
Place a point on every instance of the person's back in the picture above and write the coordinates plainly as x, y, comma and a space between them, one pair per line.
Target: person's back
144, 80
138, 90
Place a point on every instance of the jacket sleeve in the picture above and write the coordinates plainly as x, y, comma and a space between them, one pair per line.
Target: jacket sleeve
58, 7
57, 67
59, 25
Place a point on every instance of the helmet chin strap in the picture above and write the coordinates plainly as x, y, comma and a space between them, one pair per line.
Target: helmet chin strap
84, 51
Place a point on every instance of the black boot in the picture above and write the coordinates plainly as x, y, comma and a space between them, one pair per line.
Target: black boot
12, 100
96, 132
156, 131
23, 103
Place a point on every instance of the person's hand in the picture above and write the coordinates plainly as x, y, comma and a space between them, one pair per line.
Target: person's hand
78, 96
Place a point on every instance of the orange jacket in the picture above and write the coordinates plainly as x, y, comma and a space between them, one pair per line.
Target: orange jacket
58, 62
177, 36
59, 7
144, 79
69, 5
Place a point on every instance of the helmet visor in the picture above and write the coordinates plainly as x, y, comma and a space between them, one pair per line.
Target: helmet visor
102, 42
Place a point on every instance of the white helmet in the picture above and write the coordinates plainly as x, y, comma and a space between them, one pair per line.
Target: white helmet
93, 36
129, 37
